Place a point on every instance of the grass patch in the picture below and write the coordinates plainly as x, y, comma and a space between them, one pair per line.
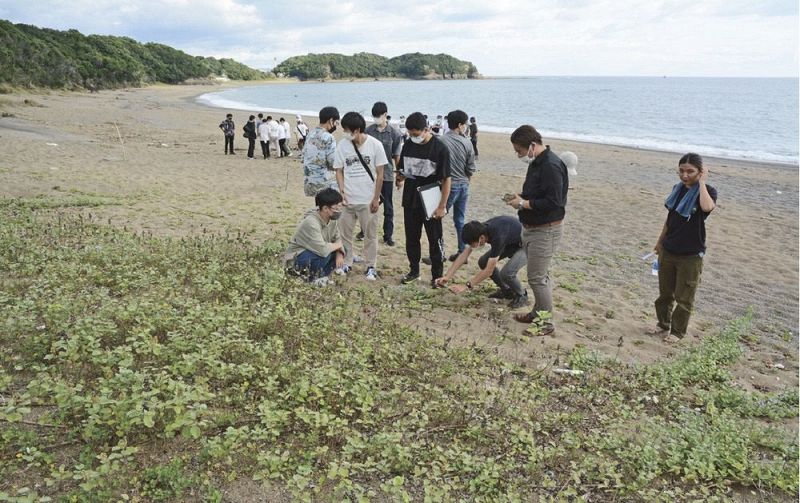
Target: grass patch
39, 203
119, 350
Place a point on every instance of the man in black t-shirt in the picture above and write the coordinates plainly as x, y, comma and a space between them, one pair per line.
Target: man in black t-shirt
423, 161
681, 247
504, 234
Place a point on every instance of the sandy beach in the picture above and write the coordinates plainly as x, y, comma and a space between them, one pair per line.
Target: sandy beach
151, 160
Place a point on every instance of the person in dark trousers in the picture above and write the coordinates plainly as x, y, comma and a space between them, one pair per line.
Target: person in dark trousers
263, 136
424, 160
250, 134
392, 142
681, 247
503, 234
473, 135
541, 207
229, 131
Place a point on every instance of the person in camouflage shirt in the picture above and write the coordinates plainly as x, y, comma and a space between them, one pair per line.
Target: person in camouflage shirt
319, 152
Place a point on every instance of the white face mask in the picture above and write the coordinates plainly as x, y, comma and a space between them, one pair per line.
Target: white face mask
526, 158
353, 136
418, 139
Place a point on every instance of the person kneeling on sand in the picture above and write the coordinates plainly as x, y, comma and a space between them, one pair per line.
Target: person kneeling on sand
316, 248
503, 233
681, 247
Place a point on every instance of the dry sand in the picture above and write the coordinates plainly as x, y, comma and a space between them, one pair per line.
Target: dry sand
171, 178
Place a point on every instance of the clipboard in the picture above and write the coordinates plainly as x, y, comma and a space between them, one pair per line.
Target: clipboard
431, 196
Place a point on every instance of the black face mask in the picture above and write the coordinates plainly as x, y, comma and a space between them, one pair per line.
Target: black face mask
331, 130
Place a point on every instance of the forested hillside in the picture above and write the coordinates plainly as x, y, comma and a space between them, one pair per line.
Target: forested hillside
367, 65
41, 57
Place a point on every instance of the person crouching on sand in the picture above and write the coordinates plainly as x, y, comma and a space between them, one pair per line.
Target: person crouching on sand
681, 247
504, 235
316, 248
541, 208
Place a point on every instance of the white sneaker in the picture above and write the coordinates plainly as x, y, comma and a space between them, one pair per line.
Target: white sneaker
372, 274
322, 282
341, 271
357, 259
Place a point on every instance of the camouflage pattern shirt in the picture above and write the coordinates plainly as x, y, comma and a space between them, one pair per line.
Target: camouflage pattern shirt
318, 155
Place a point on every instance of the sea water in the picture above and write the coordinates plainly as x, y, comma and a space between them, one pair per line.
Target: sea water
744, 118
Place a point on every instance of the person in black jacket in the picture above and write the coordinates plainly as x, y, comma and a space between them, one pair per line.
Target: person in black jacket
541, 208
250, 134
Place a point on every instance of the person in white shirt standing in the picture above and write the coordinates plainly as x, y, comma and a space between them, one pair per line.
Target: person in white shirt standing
359, 163
274, 133
283, 137
263, 135
301, 131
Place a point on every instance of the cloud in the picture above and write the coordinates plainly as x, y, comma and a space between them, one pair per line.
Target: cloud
502, 37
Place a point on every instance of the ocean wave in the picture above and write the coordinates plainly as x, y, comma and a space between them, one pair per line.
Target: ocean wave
219, 100
660, 145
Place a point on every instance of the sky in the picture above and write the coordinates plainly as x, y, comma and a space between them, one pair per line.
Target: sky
725, 38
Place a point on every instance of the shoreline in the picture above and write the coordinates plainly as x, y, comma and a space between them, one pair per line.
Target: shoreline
311, 119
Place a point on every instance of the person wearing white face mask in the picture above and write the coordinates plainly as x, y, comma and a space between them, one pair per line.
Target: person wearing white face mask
424, 161
503, 234
392, 142
359, 163
541, 208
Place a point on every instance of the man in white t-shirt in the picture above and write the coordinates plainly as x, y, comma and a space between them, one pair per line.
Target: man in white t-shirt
301, 131
360, 184
283, 137
274, 133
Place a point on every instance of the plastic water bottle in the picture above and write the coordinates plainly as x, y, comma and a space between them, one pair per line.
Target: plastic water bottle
654, 269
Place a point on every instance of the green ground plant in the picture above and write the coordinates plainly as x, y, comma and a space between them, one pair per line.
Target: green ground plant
158, 369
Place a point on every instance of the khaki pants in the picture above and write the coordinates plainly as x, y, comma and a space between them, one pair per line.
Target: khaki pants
369, 224
540, 245
678, 277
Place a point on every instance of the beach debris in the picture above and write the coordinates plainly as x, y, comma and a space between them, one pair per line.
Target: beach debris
653, 399
51, 144
164, 145
571, 160
571, 372
53, 168
778, 192
778, 366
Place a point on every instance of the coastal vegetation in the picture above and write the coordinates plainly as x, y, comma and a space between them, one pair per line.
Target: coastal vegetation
151, 368
367, 65
41, 57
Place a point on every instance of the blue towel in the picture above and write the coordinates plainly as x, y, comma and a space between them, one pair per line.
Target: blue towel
685, 207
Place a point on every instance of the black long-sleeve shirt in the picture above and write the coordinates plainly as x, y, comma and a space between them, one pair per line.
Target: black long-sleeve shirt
546, 185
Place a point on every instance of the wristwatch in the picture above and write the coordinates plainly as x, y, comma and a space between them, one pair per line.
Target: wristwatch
469, 285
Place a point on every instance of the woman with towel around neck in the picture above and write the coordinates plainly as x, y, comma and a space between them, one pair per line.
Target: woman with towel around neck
681, 247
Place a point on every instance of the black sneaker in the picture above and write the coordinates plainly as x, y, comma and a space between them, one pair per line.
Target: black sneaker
434, 285
388, 242
502, 294
360, 236
409, 278
519, 301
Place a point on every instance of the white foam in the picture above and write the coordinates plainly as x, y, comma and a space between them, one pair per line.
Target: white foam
661, 145
217, 100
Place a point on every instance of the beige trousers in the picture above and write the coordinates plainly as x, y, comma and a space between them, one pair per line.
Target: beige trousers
369, 224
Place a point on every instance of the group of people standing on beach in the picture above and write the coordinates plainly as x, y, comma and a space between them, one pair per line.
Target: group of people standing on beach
274, 135
351, 179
